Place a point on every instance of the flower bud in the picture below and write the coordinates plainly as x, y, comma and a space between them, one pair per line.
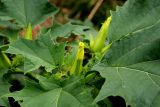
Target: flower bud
28, 32
99, 43
77, 65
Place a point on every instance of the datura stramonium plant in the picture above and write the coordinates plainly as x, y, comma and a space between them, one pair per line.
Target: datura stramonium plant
98, 45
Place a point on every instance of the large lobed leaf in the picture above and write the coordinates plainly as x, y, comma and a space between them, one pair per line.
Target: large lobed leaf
69, 28
27, 11
131, 66
135, 15
138, 87
4, 87
8, 24
41, 52
49, 93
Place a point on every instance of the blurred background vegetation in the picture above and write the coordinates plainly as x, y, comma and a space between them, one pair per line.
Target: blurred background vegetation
89, 11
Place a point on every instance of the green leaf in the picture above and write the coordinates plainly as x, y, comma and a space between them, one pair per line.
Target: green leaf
4, 89
4, 86
11, 34
69, 28
18, 62
134, 16
71, 94
139, 87
4, 60
1, 42
137, 47
131, 66
8, 24
28, 11
70, 56
41, 52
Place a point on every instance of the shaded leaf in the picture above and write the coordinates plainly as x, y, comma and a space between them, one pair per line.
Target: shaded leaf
131, 66
28, 11
135, 15
139, 87
137, 47
41, 52
71, 94
8, 24
4, 88
67, 29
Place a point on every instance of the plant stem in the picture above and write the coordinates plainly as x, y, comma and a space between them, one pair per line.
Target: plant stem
94, 10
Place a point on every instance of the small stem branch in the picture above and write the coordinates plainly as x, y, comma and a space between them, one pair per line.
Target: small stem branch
94, 10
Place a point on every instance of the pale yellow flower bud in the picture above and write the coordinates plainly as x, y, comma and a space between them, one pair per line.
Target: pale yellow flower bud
101, 37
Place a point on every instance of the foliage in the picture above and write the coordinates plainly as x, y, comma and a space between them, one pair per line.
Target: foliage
66, 65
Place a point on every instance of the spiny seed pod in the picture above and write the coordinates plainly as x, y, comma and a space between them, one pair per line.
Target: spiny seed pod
99, 42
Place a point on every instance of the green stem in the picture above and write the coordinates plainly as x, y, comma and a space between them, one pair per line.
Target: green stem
4, 60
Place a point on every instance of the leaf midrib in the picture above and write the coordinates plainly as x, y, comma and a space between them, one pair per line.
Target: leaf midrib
36, 55
145, 72
25, 13
142, 29
139, 30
